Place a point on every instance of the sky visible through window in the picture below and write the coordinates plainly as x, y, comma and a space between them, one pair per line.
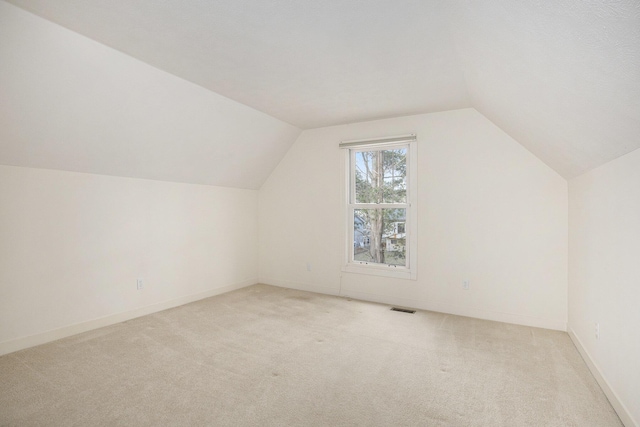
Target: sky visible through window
379, 233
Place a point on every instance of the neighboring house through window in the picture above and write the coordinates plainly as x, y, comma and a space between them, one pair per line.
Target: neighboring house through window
380, 206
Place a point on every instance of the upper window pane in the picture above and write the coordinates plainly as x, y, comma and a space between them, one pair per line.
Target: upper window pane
381, 176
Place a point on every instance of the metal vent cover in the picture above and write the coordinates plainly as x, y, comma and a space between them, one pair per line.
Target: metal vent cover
402, 310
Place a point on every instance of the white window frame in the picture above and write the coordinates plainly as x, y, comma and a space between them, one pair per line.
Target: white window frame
409, 271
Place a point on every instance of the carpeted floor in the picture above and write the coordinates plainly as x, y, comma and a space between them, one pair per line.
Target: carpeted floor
267, 356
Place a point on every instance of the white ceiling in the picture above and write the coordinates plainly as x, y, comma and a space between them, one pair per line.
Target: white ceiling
562, 77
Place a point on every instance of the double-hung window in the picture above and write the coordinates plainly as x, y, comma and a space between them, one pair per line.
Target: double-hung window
380, 206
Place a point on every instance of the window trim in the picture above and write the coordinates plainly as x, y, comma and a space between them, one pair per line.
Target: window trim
348, 206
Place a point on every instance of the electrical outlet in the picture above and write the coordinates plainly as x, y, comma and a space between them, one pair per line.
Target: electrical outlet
308, 266
139, 284
465, 285
597, 330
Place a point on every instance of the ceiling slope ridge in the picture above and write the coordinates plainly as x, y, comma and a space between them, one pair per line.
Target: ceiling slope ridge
515, 140
307, 65
101, 111
561, 78
142, 61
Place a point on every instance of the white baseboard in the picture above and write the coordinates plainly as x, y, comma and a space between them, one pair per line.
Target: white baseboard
67, 331
301, 286
516, 319
620, 408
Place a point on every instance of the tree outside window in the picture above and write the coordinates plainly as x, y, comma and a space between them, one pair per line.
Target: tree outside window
379, 201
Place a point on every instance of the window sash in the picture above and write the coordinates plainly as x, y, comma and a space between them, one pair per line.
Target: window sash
353, 205
352, 171
408, 237
409, 271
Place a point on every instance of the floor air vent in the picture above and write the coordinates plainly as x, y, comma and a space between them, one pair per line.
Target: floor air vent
403, 310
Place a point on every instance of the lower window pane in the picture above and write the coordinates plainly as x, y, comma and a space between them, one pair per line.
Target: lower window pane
379, 236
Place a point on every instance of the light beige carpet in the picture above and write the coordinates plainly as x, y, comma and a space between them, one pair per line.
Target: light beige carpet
267, 356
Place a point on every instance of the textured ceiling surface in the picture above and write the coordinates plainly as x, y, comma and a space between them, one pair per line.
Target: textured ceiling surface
70, 103
306, 62
561, 77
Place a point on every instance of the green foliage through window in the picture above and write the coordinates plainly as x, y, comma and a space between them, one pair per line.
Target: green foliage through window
379, 232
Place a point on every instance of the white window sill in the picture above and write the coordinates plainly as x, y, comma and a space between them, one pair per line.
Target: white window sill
380, 270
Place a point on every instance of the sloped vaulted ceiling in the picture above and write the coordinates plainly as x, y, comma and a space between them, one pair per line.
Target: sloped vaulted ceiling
561, 77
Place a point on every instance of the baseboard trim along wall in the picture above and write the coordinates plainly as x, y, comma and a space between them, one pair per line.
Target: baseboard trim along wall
67, 331
310, 287
496, 316
620, 408
516, 319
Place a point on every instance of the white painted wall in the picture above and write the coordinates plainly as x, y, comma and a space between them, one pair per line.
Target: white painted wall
489, 212
604, 280
72, 246
70, 103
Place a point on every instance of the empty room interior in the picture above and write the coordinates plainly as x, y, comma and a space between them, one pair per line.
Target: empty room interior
320, 213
